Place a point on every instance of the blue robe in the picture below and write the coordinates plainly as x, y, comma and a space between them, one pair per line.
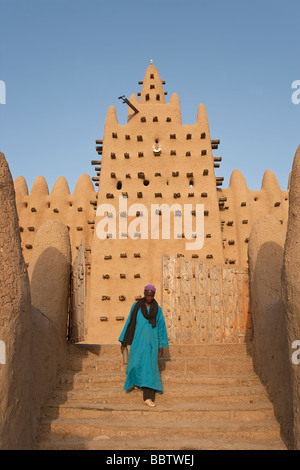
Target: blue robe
142, 368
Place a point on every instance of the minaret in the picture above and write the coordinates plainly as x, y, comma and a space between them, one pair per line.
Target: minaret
151, 161
152, 90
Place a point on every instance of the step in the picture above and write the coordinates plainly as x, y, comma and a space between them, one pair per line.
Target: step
172, 395
85, 351
162, 431
184, 359
87, 379
183, 365
151, 444
183, 411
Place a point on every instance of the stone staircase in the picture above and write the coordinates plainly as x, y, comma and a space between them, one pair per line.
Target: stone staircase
212, 400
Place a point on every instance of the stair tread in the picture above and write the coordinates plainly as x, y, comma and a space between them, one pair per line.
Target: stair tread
170, 444
165, 375
173, 407
66, 429
166, 424
200, 390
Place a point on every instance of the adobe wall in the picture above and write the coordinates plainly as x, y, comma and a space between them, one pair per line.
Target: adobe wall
76, 211
49, 275
291, 289
271, 350
33, 318
181, 172
243, 207
15, 319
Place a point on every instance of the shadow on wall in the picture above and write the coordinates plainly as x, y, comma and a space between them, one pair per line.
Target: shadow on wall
270, 345
49, 283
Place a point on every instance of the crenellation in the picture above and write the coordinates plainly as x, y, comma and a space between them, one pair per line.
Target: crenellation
38, 206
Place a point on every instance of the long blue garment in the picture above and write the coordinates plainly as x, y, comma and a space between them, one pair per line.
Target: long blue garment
142, 368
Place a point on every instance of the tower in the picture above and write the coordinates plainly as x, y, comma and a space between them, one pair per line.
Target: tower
152, 167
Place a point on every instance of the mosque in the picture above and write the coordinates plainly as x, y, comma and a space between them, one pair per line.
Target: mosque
154, 211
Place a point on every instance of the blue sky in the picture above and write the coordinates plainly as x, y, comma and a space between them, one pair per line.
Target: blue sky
64, 62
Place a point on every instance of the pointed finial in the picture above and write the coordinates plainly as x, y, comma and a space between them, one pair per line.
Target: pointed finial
151, 61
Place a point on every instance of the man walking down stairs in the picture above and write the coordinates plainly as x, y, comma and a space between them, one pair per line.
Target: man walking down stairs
212, 400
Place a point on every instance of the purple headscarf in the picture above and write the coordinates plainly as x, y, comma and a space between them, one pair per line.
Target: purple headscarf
150, 287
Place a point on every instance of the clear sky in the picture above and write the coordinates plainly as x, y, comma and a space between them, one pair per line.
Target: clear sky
64, 62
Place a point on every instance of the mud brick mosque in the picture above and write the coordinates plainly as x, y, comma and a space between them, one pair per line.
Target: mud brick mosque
153, 160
